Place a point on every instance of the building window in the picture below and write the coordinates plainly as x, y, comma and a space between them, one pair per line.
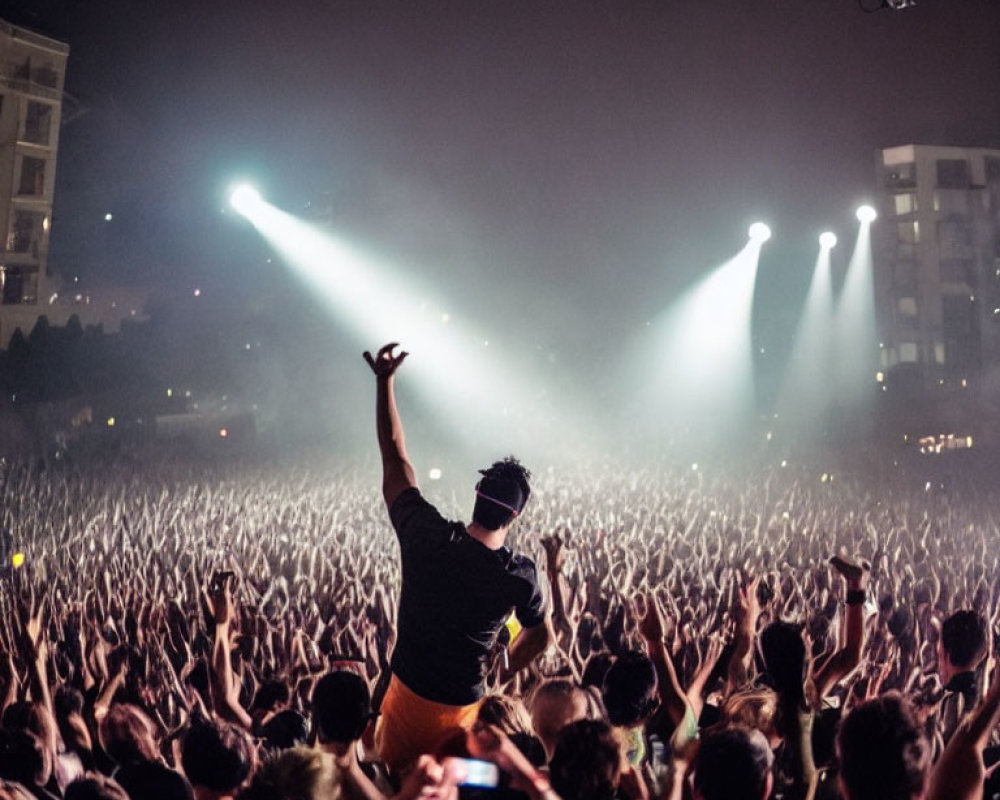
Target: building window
908, 232
992, 169
951, 203
953, 173
907, 306
955, 239
901, 176
958, 270
46, 75
904, 274
37, 123
26, 232
21, 72
904, 204
960, 328
908, 352
19, 284
32, 176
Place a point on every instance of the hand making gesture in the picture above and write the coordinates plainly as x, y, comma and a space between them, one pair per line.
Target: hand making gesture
385, 363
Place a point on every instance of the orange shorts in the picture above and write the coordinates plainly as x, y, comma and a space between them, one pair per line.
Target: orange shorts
409, 725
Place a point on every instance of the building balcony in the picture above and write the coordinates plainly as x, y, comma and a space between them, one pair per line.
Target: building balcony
30, 87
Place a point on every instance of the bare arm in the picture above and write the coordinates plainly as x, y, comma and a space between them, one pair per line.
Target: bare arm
747, 611
397, 471
671, 694
225, 688
555, 557
960, 772
847, 658
531, 642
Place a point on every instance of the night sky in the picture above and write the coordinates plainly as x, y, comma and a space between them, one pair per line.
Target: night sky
584, 161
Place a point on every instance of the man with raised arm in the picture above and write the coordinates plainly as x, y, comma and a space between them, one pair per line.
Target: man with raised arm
459, 584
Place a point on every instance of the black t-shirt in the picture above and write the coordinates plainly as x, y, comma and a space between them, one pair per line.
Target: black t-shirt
456, 595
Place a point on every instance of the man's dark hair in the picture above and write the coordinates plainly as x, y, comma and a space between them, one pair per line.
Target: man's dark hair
531, 748
151, 780
733, 763
341, 707
963, 637
883, 754
285, 729
587, 761
216, 755
67, 700
501, 494
94, 786
784, 655
271, 694
22, 758
629, 691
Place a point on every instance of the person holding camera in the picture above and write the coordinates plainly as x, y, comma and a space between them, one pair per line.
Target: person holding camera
459, 584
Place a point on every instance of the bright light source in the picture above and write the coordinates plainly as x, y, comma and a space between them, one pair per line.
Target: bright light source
197, 292
434, 474
880, 377
759, 232
223, 433
244, 197
111, 422
866, 214
108, 217
17, 560
828, 240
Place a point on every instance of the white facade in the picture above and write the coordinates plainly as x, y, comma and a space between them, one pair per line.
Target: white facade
938, 265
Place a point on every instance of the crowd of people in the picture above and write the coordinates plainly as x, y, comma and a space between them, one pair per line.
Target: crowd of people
227, 630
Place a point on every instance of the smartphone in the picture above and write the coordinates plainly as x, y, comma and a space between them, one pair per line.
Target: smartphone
483, 774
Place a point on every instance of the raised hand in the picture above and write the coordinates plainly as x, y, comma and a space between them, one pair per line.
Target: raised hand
555, 554
386, 362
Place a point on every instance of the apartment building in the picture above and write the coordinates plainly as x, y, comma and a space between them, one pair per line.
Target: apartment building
32, 70
937, 273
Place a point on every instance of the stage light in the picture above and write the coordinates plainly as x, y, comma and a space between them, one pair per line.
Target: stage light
828, 240
866, 214
759, 232
244, 197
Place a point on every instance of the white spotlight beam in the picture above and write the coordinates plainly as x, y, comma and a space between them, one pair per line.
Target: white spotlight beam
856, 331
702, 387
803, 403
483, 398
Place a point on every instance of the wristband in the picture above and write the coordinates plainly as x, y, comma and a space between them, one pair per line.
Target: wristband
855, 597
